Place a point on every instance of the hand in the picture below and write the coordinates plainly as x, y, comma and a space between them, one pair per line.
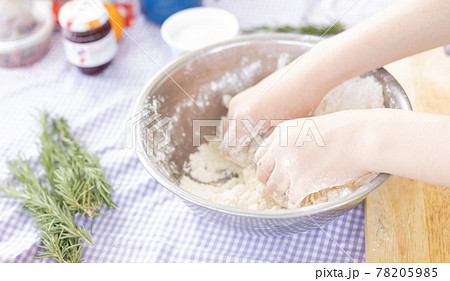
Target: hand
256, 110
304, 156
369, 45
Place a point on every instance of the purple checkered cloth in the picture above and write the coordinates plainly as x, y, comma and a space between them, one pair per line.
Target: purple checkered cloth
150, 224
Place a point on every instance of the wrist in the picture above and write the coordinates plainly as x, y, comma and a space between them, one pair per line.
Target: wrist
312, 76
374, 138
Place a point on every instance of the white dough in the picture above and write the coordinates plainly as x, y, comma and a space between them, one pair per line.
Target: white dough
244, 190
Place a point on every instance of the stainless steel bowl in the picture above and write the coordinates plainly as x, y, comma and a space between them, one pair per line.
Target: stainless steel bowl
201, 75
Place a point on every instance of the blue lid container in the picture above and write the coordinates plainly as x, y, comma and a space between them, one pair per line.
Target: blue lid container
159, 10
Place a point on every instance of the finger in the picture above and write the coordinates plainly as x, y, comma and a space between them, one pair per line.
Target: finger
228, 143
261, 152
224, 147
230, 105
225, 125
264, 168
297, 192
278, 187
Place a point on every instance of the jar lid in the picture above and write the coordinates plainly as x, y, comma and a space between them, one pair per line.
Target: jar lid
82, 15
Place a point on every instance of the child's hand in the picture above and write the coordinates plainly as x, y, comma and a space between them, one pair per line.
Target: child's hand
296, 90
255, 110
304, 156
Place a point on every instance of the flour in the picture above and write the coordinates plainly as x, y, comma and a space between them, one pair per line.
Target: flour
217, 179
236, 81
357, 93
241, 190
283, 60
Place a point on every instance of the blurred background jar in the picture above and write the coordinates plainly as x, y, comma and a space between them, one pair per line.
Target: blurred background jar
89, 41
159, 10
25, 30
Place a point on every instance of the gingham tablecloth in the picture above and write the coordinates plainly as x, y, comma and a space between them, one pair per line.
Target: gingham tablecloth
151, 224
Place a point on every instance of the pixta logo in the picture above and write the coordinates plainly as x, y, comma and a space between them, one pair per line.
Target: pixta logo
148, 132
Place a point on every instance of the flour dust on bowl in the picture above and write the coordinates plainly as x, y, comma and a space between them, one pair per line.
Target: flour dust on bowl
165, 112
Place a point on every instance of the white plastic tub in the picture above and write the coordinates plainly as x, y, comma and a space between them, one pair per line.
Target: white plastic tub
30, 48
195, 28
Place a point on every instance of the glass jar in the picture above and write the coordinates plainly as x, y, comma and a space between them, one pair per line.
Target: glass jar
89, 41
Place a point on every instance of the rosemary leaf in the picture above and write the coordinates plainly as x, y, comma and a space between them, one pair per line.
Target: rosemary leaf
49, 215
74, 185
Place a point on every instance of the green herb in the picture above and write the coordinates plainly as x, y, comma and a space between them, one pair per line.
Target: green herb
77, 187
74, 174
308, 29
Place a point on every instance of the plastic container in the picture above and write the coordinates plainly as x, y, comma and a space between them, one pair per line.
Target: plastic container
89, 41
33, 46
195, 28
159, 10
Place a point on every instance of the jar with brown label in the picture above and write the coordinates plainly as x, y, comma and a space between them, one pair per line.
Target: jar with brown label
89, 42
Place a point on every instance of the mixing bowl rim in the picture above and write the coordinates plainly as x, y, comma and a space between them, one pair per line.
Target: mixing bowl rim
341, 203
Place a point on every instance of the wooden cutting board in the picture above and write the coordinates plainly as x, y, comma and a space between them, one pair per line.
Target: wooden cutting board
408, 220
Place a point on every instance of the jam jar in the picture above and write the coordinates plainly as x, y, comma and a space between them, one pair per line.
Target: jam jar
89, 41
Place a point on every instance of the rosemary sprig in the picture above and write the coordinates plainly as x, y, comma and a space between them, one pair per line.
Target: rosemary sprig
308, 29
59, 234
74, 174
74, 185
